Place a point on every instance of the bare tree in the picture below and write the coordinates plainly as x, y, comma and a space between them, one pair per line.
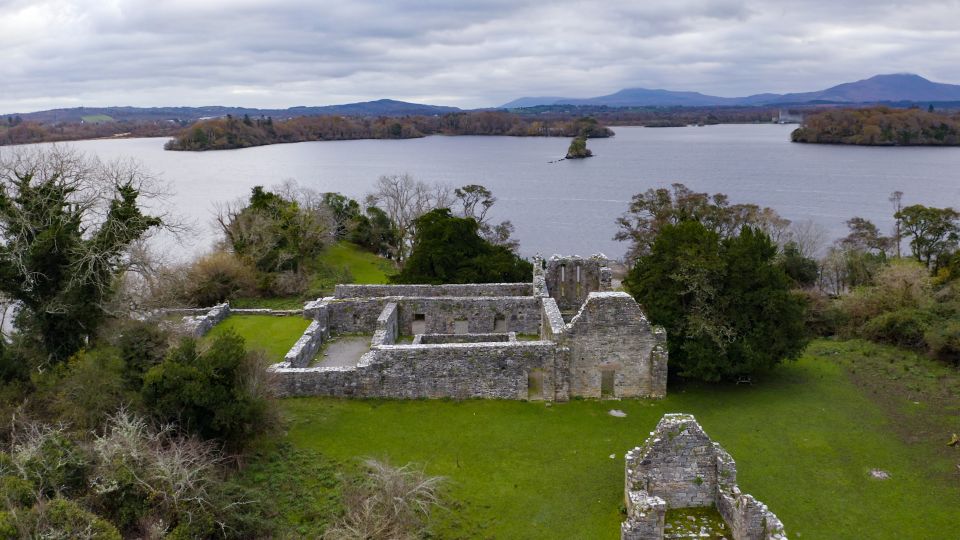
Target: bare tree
809, 236
404, 199
475, 202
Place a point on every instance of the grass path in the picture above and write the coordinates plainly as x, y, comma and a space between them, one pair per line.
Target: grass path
804, 440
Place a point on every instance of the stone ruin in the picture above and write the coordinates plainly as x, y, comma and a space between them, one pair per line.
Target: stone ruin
680, 467
563, 335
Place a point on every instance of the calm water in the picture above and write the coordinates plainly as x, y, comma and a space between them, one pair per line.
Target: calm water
570, 206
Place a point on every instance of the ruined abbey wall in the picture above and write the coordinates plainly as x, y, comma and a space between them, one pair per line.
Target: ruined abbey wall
467, 346
679, 466
458, 370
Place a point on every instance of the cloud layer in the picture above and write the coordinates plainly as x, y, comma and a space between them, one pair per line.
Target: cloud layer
66, 53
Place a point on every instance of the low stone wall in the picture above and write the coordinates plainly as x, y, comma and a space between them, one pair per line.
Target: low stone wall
461, 371
433, 339
678, 466
425, 291
306, 347
199, 325
385, 332
552, 324
266, 311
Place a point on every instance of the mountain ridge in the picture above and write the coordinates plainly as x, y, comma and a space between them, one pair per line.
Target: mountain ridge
896, 87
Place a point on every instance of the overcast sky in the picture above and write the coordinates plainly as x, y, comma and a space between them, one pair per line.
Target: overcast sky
67, 53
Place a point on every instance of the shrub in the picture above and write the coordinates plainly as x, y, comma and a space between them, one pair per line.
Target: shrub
89, 387
944, 341
217, 277
62, 518
51, 462
903, 327
142, 345
902, 284
387, 502
16, 492
211, 392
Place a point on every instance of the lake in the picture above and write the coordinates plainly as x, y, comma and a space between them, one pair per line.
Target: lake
569, 207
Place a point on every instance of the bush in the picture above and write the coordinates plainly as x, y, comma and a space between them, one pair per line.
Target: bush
387, 502
903, 327
902, 284
16, 492
142, 345
217, 277
944, 341
62, 518
52, 463
89, 387
213, 392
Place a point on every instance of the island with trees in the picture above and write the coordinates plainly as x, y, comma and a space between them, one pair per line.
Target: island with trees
880, 126
230, 132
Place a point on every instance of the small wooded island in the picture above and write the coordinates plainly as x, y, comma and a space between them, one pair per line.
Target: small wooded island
880, 126
230, 132
578, 148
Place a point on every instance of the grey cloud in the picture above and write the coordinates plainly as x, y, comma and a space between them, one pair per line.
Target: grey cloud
471, 54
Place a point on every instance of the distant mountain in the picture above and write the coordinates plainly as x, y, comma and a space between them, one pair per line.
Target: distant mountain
382, 107
903, 87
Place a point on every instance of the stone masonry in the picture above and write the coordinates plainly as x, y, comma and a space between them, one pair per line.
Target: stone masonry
679, 466
608, 349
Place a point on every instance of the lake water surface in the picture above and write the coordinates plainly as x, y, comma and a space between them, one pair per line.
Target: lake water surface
570, 206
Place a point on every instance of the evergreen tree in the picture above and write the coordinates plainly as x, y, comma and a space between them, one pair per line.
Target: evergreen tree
726, 305
449, 249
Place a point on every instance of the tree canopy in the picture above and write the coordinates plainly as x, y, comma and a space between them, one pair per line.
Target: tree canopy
725, 302
449, 249
66, 223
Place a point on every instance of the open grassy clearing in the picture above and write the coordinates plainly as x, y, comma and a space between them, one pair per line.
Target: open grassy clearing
804, 439
273, 335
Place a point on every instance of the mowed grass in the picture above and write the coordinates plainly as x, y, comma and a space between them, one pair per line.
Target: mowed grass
273, 335
96, 118
805, 439
364, 267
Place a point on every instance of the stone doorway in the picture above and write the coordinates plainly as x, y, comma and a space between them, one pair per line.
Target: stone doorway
607, 377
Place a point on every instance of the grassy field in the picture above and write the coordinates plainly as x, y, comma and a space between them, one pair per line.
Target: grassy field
804, 439
361, 266
273, 335
96, 118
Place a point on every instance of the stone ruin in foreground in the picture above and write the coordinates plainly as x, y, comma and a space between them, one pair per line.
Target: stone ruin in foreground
564, 334
680, 467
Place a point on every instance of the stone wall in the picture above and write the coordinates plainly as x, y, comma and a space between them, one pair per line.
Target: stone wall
470, 289
431, 339
570, 280
461, 371
520, 314
678, 466
199, 325
306, 347
610, 336
385, 332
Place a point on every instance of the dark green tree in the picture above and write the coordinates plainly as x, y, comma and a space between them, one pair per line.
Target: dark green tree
66, 224
449, 249
208, 391
726, 304
804, 271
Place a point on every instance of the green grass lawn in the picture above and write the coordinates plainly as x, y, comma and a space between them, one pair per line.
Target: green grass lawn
362, 266
96, 118
804, 439
273, 335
